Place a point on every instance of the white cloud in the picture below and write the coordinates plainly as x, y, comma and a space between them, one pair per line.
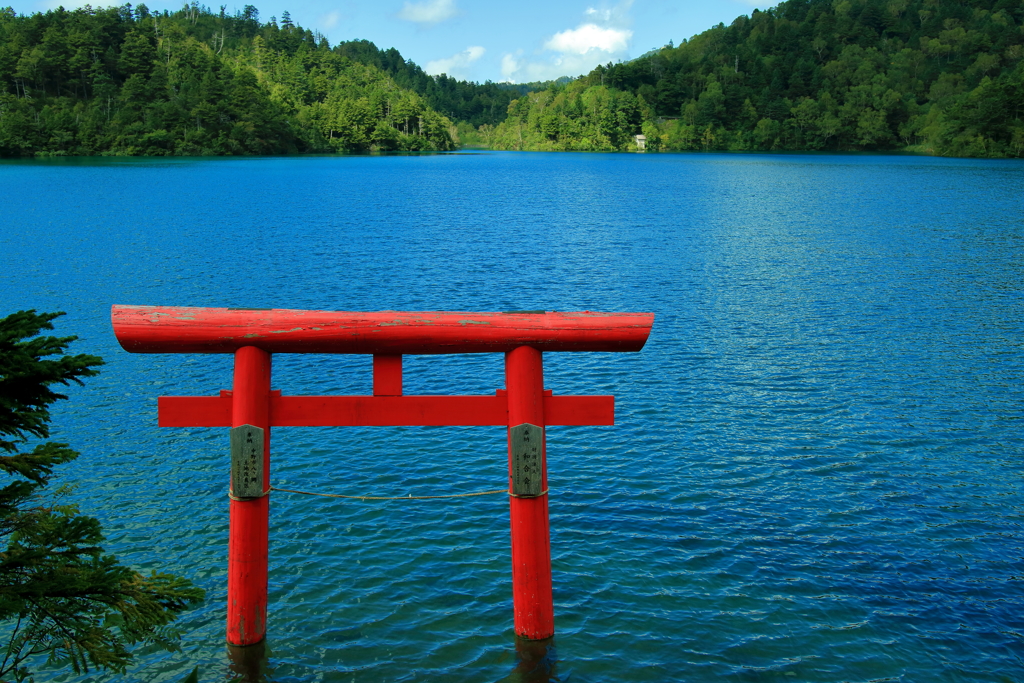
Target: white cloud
330, 20
457, 64
589, 37
509, 66
603, 36
429, 12
550, 69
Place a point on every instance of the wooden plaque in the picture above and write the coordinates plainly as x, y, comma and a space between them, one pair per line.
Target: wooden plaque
527, 459
247, 461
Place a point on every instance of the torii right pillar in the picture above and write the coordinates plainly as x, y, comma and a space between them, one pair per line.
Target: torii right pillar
534, 612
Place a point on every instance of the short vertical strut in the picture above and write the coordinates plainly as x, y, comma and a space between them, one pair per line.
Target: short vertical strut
387, 374
531, 545
247, 535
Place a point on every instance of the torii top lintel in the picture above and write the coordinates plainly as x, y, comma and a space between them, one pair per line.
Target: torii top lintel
176, 329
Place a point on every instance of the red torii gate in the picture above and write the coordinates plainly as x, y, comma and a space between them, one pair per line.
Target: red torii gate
252, 408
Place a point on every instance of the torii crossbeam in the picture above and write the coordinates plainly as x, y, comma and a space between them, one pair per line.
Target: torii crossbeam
252, 408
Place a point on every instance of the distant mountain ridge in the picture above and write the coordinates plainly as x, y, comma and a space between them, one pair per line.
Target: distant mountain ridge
937, 76
127, 81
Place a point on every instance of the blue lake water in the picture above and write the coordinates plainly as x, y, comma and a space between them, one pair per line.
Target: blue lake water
816, 472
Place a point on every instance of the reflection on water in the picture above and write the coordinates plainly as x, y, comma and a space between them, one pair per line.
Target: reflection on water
536, 662
248, 664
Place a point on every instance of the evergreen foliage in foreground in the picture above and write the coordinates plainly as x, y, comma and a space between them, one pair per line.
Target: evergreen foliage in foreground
127, 82
940, 76
60, 595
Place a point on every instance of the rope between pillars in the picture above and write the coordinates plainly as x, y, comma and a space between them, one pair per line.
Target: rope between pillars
409, 497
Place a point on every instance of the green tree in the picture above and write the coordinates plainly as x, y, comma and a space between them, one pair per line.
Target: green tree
932, 75
137, 54
60, 595
116, 81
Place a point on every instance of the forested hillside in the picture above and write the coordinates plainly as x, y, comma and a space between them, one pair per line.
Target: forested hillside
940, 76
475, 103
125, 81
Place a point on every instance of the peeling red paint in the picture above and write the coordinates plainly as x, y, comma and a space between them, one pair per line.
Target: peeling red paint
150, 329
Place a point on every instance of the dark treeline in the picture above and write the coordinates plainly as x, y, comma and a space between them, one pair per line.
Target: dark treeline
474, 103
122, 80
941, 76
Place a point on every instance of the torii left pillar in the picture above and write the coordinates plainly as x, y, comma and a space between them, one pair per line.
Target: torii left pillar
248, 538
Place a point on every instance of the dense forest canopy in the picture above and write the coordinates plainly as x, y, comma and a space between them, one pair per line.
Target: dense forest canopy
123, 80
474, 103
940, 76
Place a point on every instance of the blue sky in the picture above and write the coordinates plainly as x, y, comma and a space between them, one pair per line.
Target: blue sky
479, 40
